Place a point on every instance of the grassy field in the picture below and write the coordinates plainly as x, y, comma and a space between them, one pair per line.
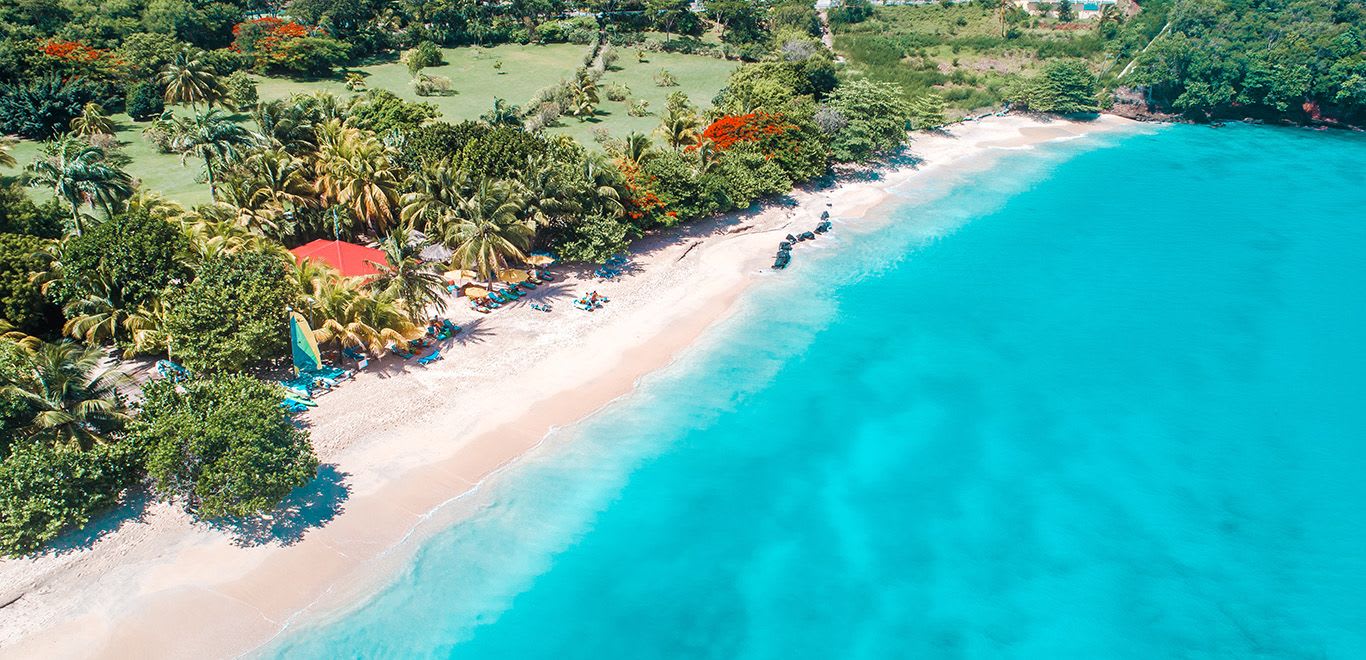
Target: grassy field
956, 50
477, 80
160, 172
699, 77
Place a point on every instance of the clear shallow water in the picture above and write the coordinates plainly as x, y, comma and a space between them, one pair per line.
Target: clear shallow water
1104, 399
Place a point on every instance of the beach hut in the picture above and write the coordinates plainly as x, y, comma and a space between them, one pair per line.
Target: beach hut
349, 259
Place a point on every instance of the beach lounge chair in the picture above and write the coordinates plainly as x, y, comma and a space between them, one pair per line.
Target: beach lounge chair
299, 386
545, 275
354, 353
430, 358
172, 371
393, 348
331, 373
482, 309
452, 328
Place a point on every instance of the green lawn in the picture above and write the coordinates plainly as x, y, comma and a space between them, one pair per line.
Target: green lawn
699, 77
476, 81
160, 172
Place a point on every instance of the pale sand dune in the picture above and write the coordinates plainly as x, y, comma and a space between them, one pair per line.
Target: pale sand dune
408, 441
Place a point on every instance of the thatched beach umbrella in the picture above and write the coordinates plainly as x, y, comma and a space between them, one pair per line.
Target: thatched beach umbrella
475, 292
512, 275
540, 260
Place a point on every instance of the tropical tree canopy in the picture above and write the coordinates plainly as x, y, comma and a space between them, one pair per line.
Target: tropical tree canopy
72, 393
221, 445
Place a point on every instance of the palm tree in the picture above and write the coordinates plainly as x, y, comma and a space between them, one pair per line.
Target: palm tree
92, 121
278, 180
154, 205
99, 316
405, 278
211, 136
584, 94
604, 185
24, 340
546, 194
485, 230
636, 149
189, 79
285, 123
707, 156
79, 174
7, 158
679, 128
435, 191
356, 172
502, 114
146, 329
341, 309
74, 394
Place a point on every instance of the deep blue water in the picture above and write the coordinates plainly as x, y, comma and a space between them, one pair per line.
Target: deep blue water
1104, 399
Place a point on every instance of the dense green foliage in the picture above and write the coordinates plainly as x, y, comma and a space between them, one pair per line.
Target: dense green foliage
144, 101
874, 118
44, 107
15, 412
22, 303
383, 111
233, 314
134, 256
222, 445
1064, 87
47, 489
1302, 58
20, 215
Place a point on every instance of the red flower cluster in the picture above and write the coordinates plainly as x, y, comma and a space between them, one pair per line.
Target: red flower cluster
640, 200
754, 127
73, 51
265, 35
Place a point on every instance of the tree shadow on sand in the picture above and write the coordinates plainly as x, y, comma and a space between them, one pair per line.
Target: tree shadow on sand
132, 508
309, 507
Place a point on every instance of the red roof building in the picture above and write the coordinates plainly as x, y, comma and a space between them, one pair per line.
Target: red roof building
349, 259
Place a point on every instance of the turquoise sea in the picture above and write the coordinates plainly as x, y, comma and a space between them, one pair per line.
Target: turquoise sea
1104, 399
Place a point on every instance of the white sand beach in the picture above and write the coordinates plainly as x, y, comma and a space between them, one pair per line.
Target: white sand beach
402, 443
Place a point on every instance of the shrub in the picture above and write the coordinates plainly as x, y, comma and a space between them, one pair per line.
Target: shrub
46, 490
616, 91
381, 111
21, 299
41, 109
665, 79
241, 91
222, 445
424, 54
161, 134
1064, 87
144, 101
439, 143
425, 85
639, 108
233, 314
549, 113
136, 254
20, 215
592, 239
